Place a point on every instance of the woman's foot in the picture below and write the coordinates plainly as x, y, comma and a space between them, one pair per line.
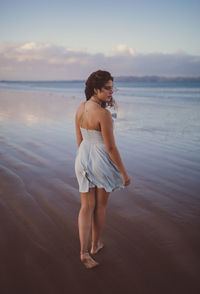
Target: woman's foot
88, 261
96, 248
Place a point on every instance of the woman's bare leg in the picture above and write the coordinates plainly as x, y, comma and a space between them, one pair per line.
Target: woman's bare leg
84, 225
98, 219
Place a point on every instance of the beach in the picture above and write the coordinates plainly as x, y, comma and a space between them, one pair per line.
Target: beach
151, 234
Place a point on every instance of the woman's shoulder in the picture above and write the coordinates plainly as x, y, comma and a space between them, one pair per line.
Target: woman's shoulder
102, 113
81, 105
106, 112
105, 115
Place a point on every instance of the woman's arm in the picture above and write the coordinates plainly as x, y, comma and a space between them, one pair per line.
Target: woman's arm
79, 137
108, 137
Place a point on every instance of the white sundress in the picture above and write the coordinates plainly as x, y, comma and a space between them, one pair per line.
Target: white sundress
93, 165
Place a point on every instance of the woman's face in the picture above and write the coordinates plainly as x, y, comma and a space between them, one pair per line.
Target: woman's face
105, 94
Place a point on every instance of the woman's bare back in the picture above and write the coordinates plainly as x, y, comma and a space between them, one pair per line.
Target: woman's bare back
89, 115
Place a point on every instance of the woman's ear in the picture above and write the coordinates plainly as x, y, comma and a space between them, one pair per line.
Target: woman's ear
95, 91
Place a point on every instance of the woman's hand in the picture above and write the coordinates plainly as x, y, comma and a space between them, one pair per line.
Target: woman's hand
126, 179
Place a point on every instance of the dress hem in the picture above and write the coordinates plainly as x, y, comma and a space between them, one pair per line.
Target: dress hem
109, 191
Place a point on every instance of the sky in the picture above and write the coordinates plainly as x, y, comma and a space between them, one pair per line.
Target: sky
60, 39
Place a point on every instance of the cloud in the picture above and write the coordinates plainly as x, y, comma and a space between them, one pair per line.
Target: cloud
46, 61
28, 46
123, 50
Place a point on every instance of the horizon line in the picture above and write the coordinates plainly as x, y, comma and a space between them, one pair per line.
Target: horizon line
121, 77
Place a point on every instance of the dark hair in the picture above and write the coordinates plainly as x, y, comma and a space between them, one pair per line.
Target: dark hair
97, 80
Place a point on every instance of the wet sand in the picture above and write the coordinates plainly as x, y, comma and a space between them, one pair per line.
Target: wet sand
151, 234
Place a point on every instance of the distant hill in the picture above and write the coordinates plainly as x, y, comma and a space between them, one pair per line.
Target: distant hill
156, 79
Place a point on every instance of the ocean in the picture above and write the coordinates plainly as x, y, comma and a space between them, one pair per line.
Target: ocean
163, 111
154, 92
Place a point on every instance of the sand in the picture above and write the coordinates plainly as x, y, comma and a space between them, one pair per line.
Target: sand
151, 234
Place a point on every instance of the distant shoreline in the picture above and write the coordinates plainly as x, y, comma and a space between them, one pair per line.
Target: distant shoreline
119, 79
156, 79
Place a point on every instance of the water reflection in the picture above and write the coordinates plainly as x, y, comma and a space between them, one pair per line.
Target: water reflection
55, 113
32, 109
31, 119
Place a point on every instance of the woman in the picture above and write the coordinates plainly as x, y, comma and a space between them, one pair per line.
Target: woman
98, 165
